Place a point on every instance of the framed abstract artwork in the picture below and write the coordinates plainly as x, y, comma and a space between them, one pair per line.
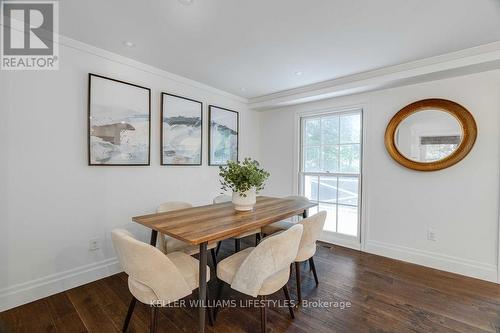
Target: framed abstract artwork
223, 135
119, 122
181, 130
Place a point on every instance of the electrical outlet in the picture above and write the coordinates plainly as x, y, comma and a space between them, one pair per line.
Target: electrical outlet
431, 235
94, 244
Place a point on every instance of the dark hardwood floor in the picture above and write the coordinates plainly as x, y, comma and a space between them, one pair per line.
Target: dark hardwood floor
386, 296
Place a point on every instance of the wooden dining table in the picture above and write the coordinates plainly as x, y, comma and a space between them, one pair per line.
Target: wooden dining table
212, 223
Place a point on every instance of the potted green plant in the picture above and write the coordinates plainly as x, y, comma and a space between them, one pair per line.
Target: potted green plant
245, 179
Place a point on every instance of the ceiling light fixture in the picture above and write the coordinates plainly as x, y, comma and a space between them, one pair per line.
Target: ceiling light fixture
186, 2
128, 43
299, 73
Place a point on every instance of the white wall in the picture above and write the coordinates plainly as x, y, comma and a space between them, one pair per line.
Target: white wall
460, 203
52, 203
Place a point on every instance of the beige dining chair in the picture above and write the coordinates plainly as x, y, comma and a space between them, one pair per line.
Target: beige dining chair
313, 226
169, 244
262, 270
282, 225
154, 278
237, 239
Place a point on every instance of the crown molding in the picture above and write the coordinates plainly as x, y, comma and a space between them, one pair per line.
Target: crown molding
108, 55
472, 60
115, 57
476, 59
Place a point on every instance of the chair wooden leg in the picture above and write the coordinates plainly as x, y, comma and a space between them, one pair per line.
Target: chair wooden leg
263, 314
214, 259
257, 238
237, 245
313, 268
129, 314
297, 278
218, 248
287, 297
154, 319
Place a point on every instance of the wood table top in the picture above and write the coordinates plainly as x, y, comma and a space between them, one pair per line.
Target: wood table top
216, 222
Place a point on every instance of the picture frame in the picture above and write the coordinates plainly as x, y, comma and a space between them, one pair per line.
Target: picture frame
181, 131
119, 122
223, 135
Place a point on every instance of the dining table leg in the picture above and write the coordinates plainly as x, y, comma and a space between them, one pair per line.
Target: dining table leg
202, 286
154, 236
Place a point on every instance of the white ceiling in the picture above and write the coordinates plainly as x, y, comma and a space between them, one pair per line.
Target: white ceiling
258, 45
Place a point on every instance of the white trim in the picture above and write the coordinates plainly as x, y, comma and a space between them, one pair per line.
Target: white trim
476, 59
62, 40
363, 210
23, 293
336, 109
498, 241
332, 238
80, 46
498, 253
471, 268
296, 152
297, 129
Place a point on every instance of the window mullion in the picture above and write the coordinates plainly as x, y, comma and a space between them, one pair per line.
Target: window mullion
338, 149
332, 174
337, 208
320, 145
317, 189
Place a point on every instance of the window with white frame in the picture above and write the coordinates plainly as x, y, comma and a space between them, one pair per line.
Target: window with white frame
330, 168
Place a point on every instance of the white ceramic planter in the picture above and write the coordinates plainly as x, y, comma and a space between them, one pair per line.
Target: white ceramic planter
242, 203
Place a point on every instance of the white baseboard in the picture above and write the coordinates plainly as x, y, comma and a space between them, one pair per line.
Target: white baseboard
331, 238
52, 284
439, 261
30, 291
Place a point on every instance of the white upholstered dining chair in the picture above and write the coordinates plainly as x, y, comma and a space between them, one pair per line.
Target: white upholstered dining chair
237, 240
221, 199
169, 244
154, 278
313, 226
282, 225
262, 270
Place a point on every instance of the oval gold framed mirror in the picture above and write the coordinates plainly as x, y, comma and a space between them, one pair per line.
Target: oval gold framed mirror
430, 134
